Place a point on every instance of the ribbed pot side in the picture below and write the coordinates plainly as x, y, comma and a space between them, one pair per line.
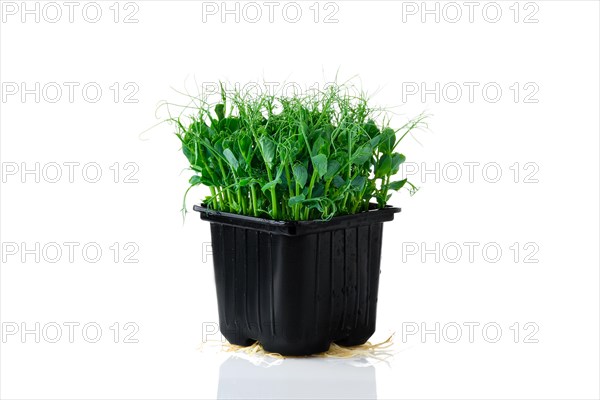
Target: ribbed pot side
296, 294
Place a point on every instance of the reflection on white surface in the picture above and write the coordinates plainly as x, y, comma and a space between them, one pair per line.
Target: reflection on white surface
294, 378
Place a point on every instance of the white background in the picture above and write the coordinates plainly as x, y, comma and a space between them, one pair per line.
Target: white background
169, 294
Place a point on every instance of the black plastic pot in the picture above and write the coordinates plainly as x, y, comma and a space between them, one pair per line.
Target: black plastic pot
297, 286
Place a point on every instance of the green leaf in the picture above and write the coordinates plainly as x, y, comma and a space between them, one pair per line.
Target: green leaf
397, 159
362, 155
218, 146
267, 147
397, 185
189, 154
384, 165
338, 181
195, 180
303, 128
300, 174
320, 164
231, 159
375, 141
371, 128
220, 111
358, 183
296, 200
231, 124
245, 142
270, 185
318, 190
320, 146
333, 166
244, 182
197, 128
388, 140
200, 180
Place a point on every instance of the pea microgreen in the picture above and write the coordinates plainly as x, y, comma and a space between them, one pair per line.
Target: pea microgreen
304, 157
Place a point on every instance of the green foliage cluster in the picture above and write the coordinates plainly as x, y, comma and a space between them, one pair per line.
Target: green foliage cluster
304, 157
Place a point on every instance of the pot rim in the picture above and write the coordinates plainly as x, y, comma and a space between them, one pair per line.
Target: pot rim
295, 228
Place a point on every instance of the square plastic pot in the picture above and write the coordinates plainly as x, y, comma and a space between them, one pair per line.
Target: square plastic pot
297, 286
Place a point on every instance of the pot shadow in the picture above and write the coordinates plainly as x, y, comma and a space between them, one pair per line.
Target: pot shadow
306, 378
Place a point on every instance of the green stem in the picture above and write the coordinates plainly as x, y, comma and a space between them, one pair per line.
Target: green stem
385, 181
291, 189
273, 195
214, 199
242, 203
297, 206
222, 199
227, 193
327, 184
289, 179
313, 178
253, 191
